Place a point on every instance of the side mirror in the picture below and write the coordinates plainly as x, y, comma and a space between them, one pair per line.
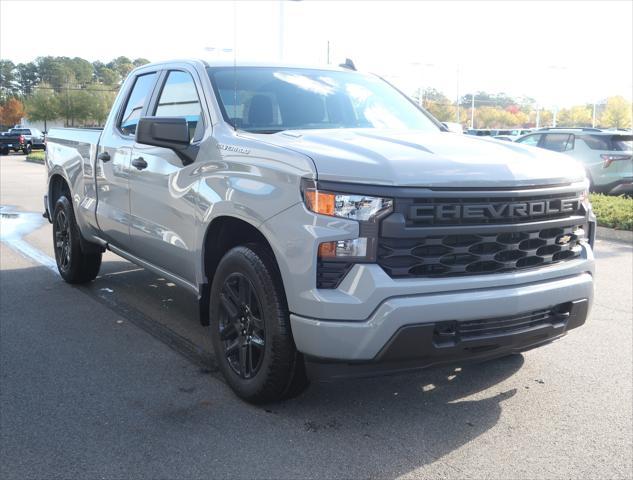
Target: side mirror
453, 127
167, 132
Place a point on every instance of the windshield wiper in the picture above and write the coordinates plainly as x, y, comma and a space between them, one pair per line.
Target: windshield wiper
265, 130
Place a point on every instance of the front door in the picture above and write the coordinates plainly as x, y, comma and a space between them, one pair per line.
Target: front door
162, 200
113, 165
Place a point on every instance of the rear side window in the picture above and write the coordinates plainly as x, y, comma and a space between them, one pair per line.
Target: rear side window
179, 98
622, 142
609, 142
558, 142
530, 140
139, 95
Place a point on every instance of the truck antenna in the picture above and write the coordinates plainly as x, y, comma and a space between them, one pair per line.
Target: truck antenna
349, 64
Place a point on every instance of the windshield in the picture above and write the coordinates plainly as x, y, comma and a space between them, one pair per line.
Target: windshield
269, 100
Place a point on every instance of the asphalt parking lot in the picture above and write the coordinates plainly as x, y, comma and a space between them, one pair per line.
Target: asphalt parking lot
116, 380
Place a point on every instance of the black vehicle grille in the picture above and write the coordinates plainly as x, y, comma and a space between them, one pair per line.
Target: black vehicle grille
450, 331
477, 253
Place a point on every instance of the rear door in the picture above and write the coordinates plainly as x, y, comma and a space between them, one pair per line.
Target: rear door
531, 140
162, 197
558, 142
113, 162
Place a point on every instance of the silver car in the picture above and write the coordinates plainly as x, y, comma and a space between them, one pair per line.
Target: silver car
605, 154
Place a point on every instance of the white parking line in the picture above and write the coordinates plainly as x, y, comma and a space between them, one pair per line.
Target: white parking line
14, 225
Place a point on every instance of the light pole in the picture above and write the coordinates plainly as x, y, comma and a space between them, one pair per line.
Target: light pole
558, 83
457, 98
422, 66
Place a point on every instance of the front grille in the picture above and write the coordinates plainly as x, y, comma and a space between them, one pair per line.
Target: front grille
409, 206
477, 253
471, 329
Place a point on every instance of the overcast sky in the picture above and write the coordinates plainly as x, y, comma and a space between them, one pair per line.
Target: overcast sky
557, 52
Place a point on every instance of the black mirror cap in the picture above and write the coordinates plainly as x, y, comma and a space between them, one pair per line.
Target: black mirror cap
168, 132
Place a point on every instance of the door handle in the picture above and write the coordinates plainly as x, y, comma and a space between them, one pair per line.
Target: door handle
104, 157
139, 163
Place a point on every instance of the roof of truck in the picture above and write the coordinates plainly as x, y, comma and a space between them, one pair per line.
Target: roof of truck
246, 63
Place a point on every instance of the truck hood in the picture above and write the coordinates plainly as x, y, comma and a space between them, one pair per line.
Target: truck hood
436, 159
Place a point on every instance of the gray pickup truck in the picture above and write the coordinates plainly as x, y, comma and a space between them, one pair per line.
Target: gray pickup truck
328, 226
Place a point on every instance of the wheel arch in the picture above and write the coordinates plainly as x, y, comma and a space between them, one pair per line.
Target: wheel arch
57, 184
223, 233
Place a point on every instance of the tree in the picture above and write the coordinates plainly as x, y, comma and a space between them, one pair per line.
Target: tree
617, 113
27, 77
140, 61
576, 116
122, 65
8, 84
55, 71
43, 105
82, 70
100, 103
12, 112
105, 75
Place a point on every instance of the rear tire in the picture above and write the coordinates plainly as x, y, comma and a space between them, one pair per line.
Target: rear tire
250, 328
74, 265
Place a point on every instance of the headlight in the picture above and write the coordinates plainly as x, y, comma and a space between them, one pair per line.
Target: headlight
365, 209
355, 207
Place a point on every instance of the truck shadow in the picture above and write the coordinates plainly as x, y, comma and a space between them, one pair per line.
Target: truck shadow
423, 416
395, 424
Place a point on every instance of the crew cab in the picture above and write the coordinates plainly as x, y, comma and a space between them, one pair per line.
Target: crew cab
328, 226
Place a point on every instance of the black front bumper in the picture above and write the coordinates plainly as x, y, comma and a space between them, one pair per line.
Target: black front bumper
421, 346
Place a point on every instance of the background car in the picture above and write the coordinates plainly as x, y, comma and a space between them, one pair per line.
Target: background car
32, 136
606, 155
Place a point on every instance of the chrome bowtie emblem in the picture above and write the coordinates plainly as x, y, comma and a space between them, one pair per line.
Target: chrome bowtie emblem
564, 240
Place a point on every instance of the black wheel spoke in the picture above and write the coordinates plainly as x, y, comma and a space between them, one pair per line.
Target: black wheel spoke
229, 307
233, 347
244, 290
258, 323
243, 360
257, 341
251, 366
242, 328
233, 296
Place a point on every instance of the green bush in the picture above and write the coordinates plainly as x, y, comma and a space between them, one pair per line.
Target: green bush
614, 212
37, 157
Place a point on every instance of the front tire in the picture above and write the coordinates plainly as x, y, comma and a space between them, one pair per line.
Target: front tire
74, 265
27, 149
250, 328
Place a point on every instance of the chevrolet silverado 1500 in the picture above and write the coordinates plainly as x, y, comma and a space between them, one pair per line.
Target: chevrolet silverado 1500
328, 226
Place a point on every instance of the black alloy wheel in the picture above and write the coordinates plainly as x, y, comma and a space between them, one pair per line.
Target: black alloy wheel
63, 239
241, 324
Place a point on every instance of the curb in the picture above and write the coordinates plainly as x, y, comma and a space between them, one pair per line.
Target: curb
40, 162
613, 235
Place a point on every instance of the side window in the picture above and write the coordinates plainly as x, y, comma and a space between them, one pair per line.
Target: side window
531, 140
139, 95
596, 142
179, 98
558, 142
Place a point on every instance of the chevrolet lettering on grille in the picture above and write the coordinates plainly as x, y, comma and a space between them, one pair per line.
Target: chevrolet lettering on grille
510, 211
